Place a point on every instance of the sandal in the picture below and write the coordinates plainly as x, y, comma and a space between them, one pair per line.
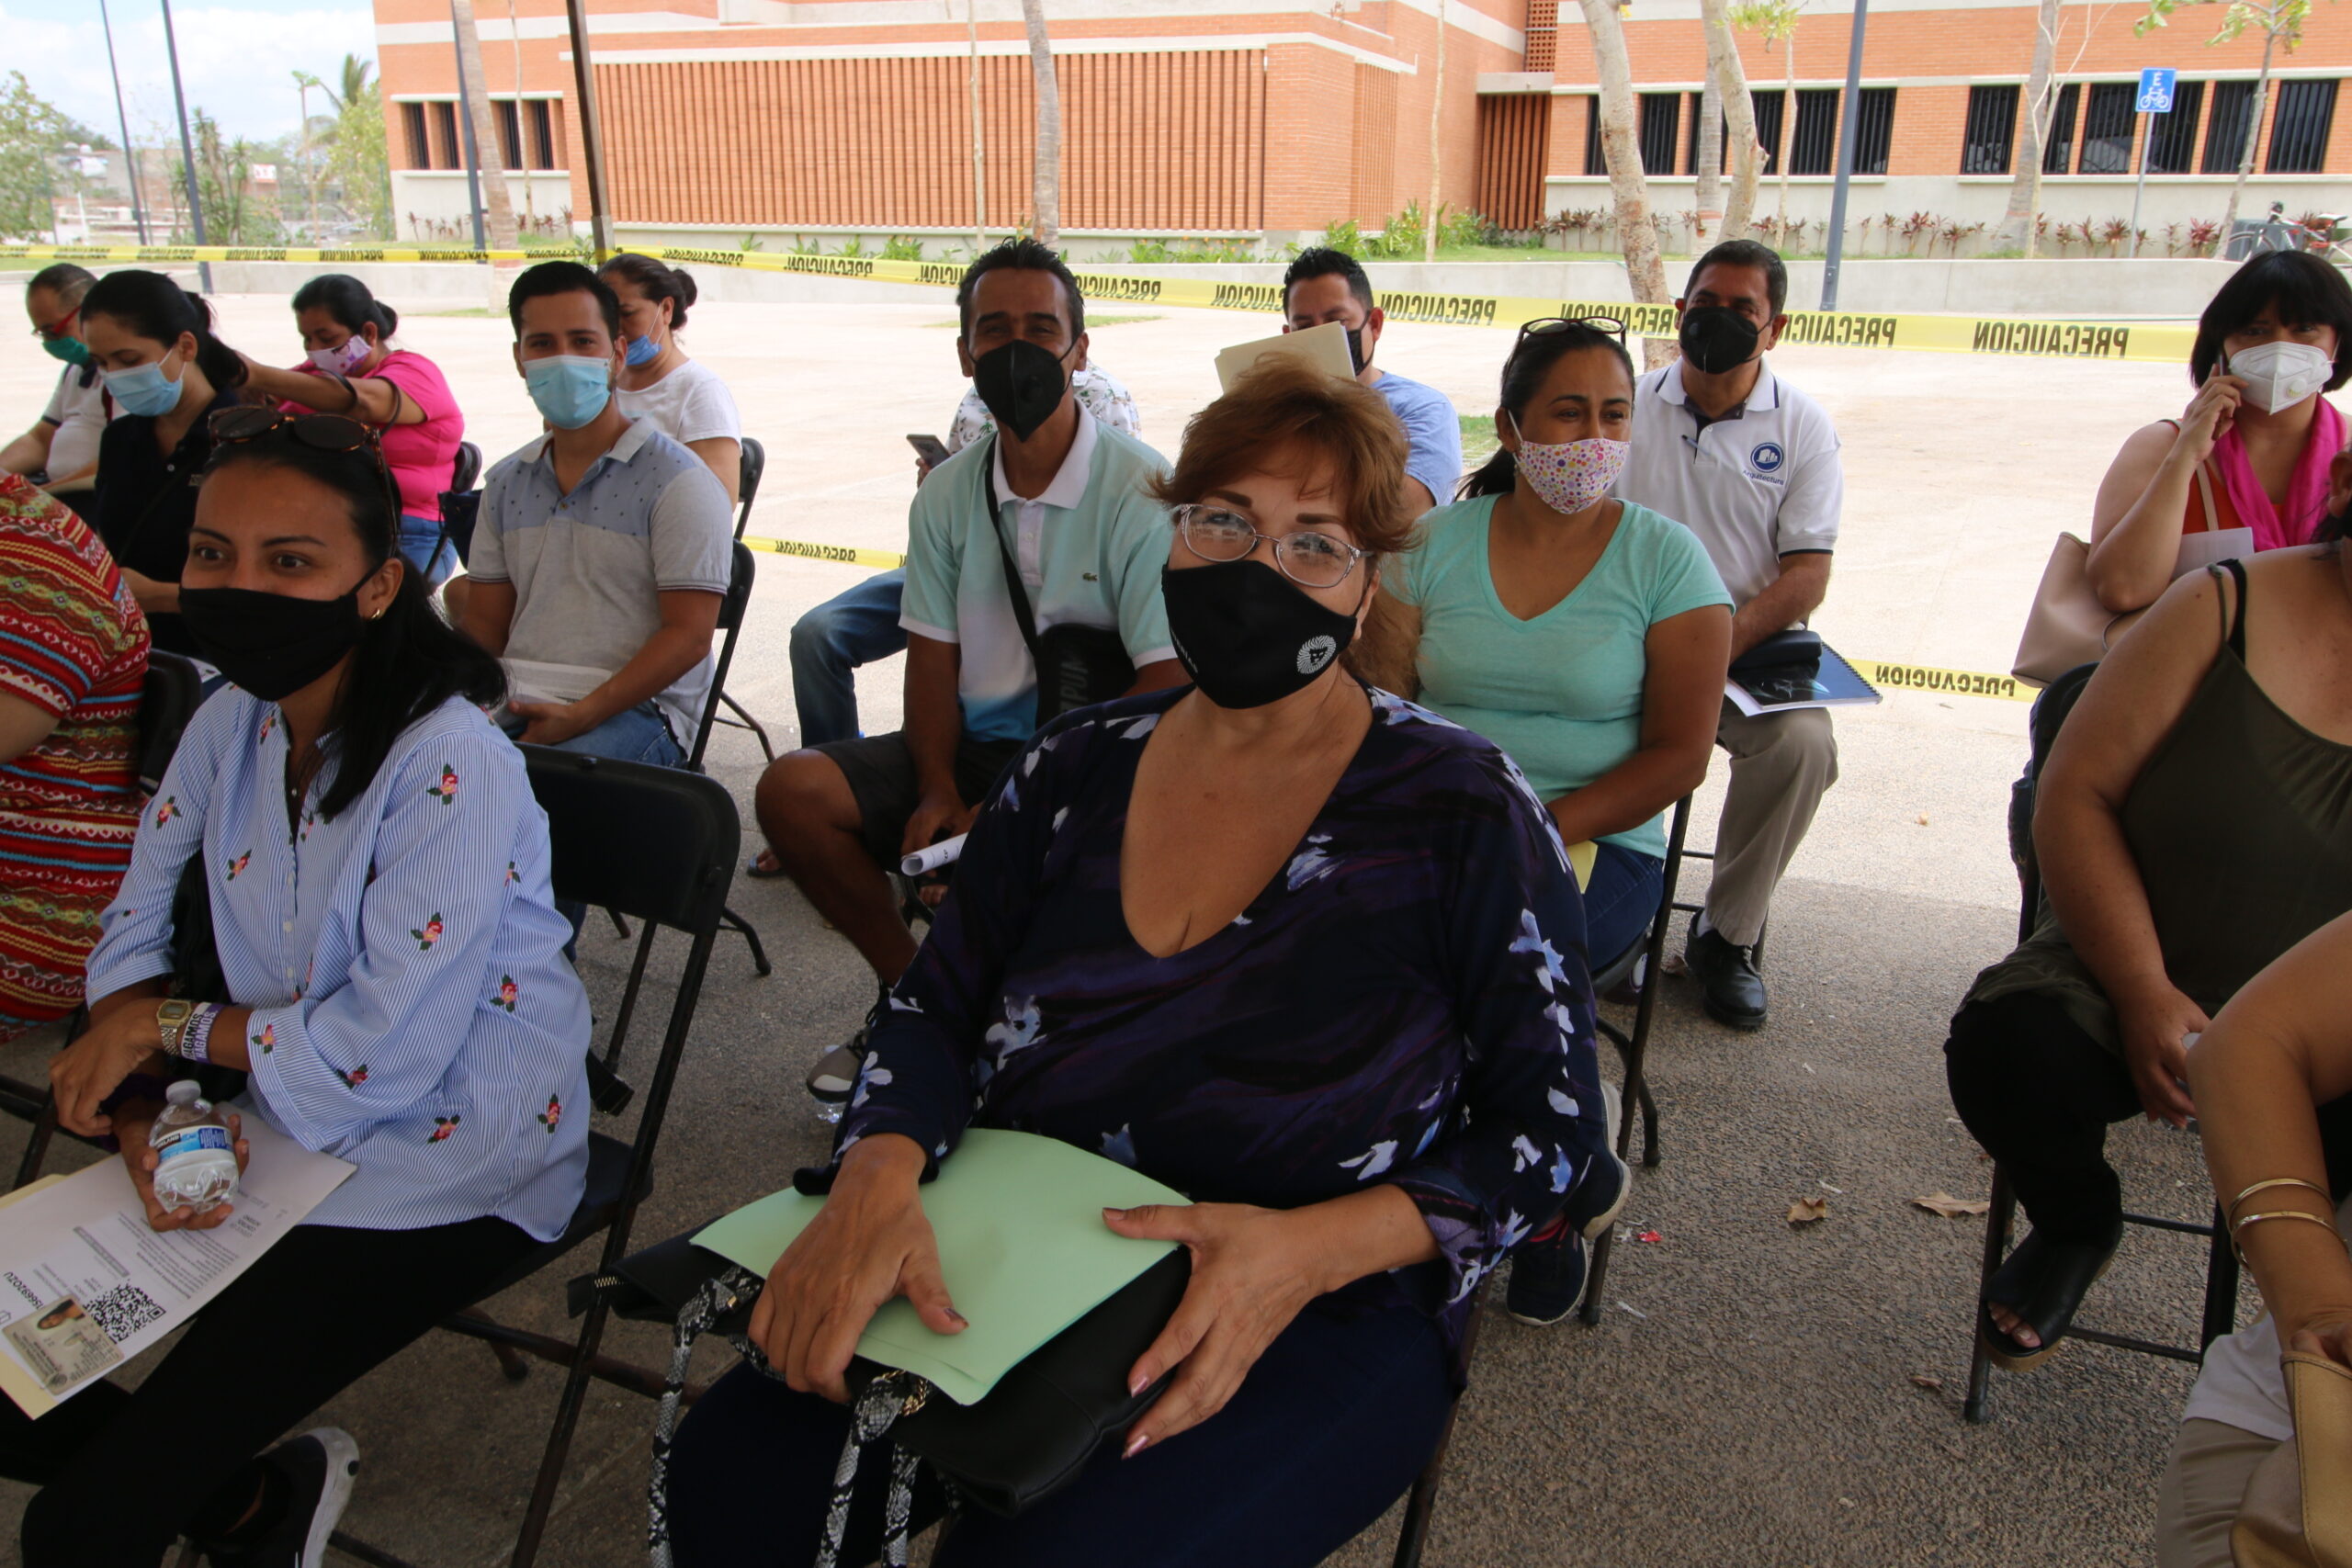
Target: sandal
2044, 1282
754, 869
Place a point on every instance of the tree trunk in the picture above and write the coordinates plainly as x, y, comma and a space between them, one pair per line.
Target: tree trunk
1622, 150
979, 147
1709, 157
1788, 139
1045, 179
2253, 133
1437, 109
1739, 118
530, 197
2033, 134
498, 208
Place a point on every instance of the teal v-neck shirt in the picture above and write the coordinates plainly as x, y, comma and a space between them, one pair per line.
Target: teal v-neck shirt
1561, 692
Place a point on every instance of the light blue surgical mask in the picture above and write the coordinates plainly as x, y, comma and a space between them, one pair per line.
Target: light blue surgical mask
144, 389
644, 350
570, 389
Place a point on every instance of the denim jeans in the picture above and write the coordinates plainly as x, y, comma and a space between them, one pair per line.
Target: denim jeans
1622, 901
827, 645
418, 537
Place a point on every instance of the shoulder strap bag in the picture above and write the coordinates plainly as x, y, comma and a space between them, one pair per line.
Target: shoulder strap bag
2297, 1512
1077, 666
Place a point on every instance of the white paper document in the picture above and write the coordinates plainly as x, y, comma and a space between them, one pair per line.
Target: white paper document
85, 1284
2200, 550
1325, 347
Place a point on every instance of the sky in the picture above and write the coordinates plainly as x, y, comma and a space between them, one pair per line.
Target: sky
237, 58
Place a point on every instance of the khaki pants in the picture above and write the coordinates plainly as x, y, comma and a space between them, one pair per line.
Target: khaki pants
2204, 1483
1781, 767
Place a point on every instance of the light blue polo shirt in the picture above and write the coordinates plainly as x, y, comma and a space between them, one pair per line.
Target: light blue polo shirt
588, 568
1090, 549
1432, 433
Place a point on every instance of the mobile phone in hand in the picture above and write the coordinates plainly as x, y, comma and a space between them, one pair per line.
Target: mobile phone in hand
929, 448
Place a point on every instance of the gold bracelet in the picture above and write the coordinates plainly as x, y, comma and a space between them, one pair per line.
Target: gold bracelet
2281, 1182
2275, 1214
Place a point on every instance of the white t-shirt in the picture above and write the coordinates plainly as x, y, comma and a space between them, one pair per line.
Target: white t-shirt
80, 414
1762, 482
691, 403
2242, 1384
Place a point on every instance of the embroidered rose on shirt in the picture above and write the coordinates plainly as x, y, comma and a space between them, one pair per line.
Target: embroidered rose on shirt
355, 1077
428, 934
267, 1039
268, 724
552, 1115
167, 810
309, 820
442, 1126
237, 865
513, 874
446, 790
506, 993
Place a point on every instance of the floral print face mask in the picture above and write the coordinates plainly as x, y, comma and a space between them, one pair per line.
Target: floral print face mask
1569, 476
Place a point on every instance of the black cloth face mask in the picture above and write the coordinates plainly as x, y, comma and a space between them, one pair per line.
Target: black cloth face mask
1021, 384
1245, 633
271, 644
1355, 350
1717, 338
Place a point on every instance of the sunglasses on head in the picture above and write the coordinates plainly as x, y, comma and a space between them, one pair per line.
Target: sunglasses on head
320, 431
1613, 325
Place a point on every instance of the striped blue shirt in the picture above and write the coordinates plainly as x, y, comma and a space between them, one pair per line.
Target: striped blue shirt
413, 1012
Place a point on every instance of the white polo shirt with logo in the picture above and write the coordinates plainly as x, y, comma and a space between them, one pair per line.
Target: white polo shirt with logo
1762, 482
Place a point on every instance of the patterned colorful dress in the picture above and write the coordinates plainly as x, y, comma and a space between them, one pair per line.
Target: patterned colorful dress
1407, 1003
73, 644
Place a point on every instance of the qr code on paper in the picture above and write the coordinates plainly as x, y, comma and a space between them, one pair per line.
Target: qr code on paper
123, 1311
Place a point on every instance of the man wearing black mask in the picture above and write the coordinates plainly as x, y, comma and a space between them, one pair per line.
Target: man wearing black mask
1323, 286
1065, 499
1750, 465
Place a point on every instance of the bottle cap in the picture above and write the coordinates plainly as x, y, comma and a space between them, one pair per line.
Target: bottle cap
187, 1091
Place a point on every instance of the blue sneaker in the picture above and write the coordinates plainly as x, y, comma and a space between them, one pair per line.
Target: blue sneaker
1547, 1277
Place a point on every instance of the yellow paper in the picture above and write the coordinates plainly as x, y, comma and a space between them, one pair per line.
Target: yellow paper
1581, 854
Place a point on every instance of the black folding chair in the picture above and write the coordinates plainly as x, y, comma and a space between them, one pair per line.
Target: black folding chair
755, 464
659, 843
730, 623
167, 700
1642, 959
2220, 1310
1420, 1502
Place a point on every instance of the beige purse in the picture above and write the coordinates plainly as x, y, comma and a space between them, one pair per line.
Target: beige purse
2297, 1512
2068, 626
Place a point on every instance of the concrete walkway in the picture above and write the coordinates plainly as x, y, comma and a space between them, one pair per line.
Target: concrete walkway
1753, 1400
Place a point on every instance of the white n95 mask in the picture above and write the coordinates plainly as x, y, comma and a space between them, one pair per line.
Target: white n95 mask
2280, 375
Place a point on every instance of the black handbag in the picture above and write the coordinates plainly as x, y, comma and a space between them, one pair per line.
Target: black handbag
1045, 1421
1077, 666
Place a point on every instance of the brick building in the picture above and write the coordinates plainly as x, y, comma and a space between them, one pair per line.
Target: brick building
1249, 119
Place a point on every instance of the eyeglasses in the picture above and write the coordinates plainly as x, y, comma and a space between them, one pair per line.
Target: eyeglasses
320, 431
62, 327
1306, 558
1613, 325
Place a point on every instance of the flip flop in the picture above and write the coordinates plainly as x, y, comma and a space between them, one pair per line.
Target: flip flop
2044, 1282
758, 873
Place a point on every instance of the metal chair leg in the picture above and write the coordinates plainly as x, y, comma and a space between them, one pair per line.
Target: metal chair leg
760, 963
628, 999
2220, 1284
1997, 1223
743, 720
1420, 1503
36, 1145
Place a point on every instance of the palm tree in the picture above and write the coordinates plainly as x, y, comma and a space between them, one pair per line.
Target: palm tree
2018, 226
1729, 79
1046, 173
1623, 150
1777, 20
2281, 21
490, 153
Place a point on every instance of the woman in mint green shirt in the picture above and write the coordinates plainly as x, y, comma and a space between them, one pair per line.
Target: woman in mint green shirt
1585, 635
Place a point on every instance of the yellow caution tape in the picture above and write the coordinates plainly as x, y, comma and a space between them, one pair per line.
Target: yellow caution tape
2165, 343
885, 560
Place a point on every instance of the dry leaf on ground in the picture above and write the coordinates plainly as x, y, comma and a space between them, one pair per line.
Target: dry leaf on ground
1952, 1208
1924, 1380
1804, 1211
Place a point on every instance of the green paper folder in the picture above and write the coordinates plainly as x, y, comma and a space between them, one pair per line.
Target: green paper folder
1022, 1246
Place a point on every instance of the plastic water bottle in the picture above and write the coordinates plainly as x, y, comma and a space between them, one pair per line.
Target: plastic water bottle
196, 1160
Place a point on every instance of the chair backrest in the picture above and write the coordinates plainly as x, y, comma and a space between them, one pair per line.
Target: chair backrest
658, 843
467, 470
168, 698
755, 463
731, 626
2050, 711
459, 508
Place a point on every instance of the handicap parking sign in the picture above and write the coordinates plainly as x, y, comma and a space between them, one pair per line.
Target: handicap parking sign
2155, 92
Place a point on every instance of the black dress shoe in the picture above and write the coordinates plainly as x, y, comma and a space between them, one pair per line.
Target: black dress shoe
1733, 991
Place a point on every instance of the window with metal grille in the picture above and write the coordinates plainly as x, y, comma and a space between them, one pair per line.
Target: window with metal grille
510, 132
2106, 128
1768, 107
2172, 137
1814, 149
1990, 131
2299, 136
1691, 146
1661, 128
1543, 31
1875, 132
1596, 161
2227, 128
543, 154
420, 149
2058, 152
448, 152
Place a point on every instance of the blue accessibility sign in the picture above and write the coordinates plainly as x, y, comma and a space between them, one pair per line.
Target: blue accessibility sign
2155, 91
